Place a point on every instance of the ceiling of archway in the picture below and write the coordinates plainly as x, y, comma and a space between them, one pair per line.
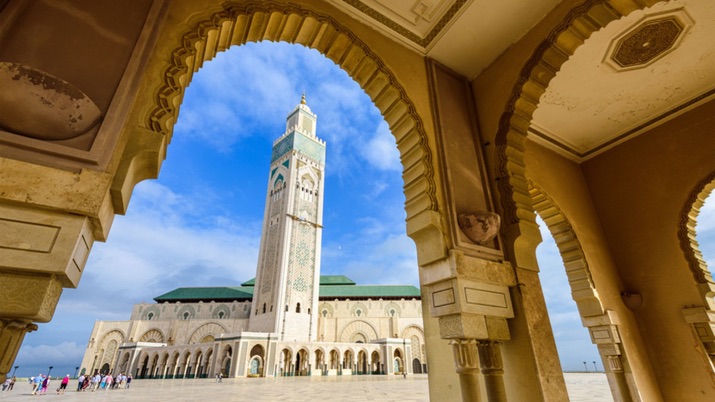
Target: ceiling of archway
638, 72
464, 35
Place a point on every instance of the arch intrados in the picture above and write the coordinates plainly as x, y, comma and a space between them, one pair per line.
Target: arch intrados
237, 24
579, 273
534, 78
687, 236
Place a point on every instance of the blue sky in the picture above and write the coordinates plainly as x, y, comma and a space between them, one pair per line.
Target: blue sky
199, 224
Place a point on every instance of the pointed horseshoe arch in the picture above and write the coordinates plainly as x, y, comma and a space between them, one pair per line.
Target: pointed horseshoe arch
533, 80
688, 241
237, 24
583, 289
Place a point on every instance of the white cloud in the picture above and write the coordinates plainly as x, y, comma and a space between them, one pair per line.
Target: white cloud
62, 352
381, 151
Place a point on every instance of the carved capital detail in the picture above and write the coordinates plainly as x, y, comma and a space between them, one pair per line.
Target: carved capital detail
490, 358
465, 355
12, 332
29, 296
614, 362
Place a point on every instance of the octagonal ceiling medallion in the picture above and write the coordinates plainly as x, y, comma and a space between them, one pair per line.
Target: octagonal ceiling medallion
647, 41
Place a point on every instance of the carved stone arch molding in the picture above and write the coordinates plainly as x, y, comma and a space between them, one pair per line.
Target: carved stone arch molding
533, 80
358, 326
583, 289
153, 335
688, 242
239, 23
210, 329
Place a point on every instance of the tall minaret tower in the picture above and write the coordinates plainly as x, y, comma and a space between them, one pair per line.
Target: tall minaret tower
285, 296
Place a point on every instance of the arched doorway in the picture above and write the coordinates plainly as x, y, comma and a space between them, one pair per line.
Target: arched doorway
375, 363
301, 363
256, 359
416, 366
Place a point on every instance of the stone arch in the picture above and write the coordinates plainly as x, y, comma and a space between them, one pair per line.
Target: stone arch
532, 82
417, 338
358, 327
688, 242
327, 308
393, 306
153, 335
210, 329
583, 289
151, 313
361, 307
235, 24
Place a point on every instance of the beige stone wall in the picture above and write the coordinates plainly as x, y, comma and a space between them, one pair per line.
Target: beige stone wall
639, 191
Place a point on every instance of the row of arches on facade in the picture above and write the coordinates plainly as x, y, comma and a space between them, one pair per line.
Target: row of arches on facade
201, 363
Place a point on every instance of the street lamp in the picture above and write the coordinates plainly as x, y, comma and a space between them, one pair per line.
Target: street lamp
76, 369
49, 371
585, 367
594, 366
13, 373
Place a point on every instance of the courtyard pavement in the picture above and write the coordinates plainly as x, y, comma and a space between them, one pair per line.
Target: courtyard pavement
582, 387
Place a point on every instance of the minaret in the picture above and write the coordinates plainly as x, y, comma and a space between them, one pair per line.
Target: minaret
285, 296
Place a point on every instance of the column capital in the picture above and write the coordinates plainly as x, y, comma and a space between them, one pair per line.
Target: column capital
465, 355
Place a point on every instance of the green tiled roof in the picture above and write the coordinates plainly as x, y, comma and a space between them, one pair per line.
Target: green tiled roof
325, 280
332, 287
368, 291
228, 293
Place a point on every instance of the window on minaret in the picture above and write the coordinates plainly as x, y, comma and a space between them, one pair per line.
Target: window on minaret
286, 307
297, 308
264, 308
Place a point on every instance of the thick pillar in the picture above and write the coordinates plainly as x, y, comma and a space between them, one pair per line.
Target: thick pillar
40, 253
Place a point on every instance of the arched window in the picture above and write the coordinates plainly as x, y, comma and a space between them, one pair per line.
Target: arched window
150, 316
186, 315
264, 308
220, 314
358, 312
297, 308
286, 308
325, 313
392, 312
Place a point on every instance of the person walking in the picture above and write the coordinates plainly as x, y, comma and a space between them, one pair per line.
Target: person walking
36, 384
80, 382
129, 380
63, 384
12, 383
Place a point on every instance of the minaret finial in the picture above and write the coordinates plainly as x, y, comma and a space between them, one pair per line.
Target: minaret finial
302, 100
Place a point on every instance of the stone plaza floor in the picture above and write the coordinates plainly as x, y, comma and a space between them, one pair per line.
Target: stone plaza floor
583, 387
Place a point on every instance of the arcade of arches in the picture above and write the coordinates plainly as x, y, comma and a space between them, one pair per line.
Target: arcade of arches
598, 114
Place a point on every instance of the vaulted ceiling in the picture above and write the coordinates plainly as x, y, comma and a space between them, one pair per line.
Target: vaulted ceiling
637, 72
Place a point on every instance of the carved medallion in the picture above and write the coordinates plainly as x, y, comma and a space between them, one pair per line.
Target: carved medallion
647, 41
480, 227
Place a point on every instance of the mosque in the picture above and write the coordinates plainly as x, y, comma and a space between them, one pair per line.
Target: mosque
596, 115
288, 320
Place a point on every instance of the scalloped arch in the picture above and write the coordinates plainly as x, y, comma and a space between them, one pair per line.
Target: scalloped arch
152, 335
358, 326
239, 23
114, 334
583, 289
533, 80
201, 332
688, 242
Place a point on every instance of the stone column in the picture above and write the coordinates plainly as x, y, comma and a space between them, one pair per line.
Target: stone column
41, 252
606, 336
471, 298
466, 365
490, 363
702, 321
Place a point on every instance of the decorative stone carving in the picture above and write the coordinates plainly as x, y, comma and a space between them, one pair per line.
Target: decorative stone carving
12, 332
465, 356
647, 42
480, 227
40, 105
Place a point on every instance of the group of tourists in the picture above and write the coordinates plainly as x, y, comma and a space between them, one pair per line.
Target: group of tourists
104, 382
8, 384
